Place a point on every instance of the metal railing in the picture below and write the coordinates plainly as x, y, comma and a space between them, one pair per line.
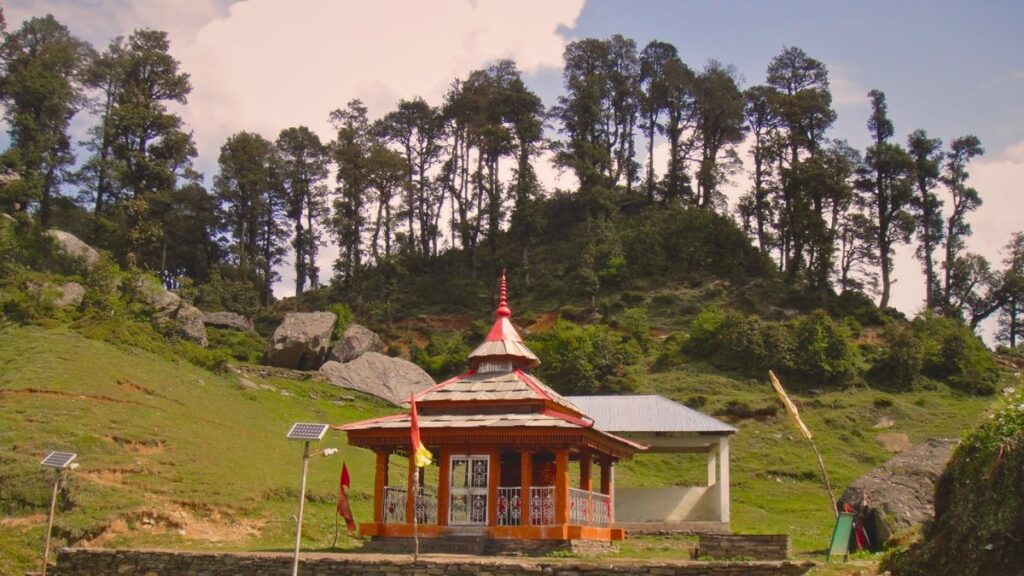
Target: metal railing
394, 505
542, 505
589, 508
510, 506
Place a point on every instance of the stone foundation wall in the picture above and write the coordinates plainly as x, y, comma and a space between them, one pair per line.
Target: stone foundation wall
756, 546
82, 562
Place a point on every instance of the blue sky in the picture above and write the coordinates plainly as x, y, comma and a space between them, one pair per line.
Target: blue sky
951, 68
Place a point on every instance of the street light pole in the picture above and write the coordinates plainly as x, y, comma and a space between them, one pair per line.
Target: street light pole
49, 524
302, 502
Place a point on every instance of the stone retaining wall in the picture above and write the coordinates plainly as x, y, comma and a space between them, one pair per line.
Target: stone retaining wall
756, 546
83, 562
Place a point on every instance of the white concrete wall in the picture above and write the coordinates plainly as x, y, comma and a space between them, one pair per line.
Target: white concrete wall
672, 504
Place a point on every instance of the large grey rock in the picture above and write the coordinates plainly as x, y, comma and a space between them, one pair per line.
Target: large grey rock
900, 493
356, 341
228, 320
74, 248
301, 341
188, 323
69, 295
392, 379
171, 312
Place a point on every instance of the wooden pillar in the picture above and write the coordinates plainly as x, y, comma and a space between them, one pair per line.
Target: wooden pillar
412, 483
608, 486
526, 481
562, 486
585, 466
444, 484
380, 480
494, 478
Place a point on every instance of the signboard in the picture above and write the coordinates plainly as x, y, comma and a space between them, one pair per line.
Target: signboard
841, 537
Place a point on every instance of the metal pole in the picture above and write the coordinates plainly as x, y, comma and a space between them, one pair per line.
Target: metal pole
302, 502
49, 524
415, 521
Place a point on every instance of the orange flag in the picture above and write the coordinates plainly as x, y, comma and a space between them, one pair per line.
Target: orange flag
420, 454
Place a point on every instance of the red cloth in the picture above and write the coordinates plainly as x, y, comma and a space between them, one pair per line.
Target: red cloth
343, 507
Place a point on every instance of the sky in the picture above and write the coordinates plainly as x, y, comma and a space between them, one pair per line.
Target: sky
951, 68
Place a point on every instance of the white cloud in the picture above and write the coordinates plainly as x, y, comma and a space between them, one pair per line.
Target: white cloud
846, 90
269, 65
98, 21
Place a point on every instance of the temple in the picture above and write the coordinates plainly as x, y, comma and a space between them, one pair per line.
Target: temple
503, 442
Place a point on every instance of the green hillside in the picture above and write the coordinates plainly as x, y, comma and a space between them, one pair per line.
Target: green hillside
174, 455
164, 447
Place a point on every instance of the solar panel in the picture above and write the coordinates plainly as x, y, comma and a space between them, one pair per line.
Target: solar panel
58, 459
307, 431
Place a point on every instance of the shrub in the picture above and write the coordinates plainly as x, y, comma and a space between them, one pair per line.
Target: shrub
344, 314
953, 353
703, 341
585, 359
902, 360
444, 356
823, 350
636, 324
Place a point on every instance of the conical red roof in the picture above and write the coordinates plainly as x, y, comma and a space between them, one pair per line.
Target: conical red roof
503, 343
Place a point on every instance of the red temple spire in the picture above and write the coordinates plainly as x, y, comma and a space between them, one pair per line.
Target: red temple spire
503, 309
503, 342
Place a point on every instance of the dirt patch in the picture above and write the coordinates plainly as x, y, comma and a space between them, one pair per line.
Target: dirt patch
108, 477
200, 525
129, 386
143, 447
68, 395
544, 322
23, 521
894, 441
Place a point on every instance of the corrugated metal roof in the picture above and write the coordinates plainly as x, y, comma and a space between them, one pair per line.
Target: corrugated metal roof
649, 413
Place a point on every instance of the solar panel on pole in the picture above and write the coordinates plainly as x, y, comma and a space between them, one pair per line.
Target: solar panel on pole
307, 431
58, 460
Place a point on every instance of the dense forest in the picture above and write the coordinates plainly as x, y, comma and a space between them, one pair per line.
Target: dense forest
450, 192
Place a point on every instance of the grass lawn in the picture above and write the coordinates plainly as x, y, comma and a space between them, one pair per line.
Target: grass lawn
172, 455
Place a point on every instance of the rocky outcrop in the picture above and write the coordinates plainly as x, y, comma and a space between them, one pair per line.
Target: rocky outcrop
228, 320
392, 379
301, 341
356, 341
69, 245
900, 493
172, 313
69, 295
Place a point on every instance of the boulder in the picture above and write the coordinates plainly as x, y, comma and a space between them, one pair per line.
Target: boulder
356, 341
188, 323
71, 246
900, 493
69, 295
171, 312
301, 341
392, 379
228, 320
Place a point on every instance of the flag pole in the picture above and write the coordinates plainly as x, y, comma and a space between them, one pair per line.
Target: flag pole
794, 415
415, 520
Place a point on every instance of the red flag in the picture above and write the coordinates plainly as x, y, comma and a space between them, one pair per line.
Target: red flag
344, 482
